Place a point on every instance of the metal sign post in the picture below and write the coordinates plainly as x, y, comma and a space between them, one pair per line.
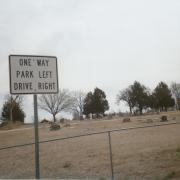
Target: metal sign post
110, 154
36, 138
33, 75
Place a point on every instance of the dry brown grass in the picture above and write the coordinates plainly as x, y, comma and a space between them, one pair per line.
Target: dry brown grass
151, 153
12, 125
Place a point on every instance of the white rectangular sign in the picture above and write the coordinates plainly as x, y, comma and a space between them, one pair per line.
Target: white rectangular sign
33, 74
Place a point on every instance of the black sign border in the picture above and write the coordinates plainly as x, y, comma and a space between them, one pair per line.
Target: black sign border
15, 55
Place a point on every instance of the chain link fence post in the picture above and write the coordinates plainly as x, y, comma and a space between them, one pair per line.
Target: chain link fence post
110, 154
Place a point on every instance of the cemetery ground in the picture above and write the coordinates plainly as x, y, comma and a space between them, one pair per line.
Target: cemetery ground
149, 153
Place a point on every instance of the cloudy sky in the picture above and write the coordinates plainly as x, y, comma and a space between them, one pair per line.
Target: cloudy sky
103, 43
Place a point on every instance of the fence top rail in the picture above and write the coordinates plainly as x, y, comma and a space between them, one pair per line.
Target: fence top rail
89, 134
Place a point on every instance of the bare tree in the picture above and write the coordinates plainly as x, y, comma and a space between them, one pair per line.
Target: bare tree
56, 103
79, 103
126, 96
175, 89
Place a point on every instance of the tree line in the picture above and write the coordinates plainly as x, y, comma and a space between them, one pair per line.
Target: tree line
137, 97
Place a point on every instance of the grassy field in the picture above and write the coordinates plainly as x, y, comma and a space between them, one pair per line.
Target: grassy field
151, 153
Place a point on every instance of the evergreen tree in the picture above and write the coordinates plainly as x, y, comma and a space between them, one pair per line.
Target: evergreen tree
163, 96
88, 104
17, 112
95, 103
100, 104
139, 96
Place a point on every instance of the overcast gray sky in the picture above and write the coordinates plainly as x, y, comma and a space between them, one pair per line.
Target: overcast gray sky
103, 43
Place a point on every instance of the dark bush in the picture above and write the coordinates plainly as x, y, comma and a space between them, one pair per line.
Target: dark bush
54, 126
126, 120
164, 118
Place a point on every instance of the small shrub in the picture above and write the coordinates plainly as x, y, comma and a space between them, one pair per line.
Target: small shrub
54, 127
163, 118
67, 165
126, 120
